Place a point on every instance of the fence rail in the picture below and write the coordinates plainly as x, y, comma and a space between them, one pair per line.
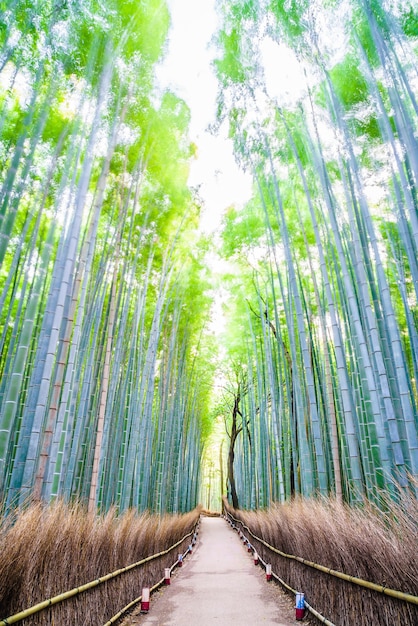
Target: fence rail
129, 606
40, 606
399, 595
310, 608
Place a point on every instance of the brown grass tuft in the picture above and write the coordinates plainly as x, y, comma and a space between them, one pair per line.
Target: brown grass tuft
380, 547
208, 513
47, 550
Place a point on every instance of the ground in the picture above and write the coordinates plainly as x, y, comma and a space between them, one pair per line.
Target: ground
219, 584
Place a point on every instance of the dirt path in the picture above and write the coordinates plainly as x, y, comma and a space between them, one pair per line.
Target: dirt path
218, 584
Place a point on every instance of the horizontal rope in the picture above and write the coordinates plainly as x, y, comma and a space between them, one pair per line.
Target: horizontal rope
18, 617
138, 600
320, 617
400, 595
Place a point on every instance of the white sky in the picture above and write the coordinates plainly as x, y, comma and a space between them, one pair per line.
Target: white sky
187, 71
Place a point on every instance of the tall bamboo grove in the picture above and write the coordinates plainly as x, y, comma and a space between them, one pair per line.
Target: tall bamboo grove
327, 247
101, 307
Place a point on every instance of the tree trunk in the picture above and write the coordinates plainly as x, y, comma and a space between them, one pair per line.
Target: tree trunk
231, 477
221, 466
231, 453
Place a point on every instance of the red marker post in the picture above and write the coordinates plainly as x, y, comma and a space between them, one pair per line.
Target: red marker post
167, 576
300, 606
145, 600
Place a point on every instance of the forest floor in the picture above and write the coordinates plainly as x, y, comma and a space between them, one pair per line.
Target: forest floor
218, 584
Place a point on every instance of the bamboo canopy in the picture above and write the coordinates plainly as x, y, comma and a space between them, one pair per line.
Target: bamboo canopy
109, 367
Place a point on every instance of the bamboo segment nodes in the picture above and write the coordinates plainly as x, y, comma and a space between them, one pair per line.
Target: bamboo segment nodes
327, 377
101, 305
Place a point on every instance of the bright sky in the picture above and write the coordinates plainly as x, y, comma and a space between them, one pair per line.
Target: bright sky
187, 70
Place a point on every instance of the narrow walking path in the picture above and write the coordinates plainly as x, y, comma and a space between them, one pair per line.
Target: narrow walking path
218, 584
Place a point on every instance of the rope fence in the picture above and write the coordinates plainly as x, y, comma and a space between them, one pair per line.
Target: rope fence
314, 612
399, 595
132, 604
40, 606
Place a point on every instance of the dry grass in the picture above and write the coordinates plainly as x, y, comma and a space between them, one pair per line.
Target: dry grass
208, 513
47, 550
362, 542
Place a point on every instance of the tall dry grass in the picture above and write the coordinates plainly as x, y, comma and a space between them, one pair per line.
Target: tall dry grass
46, 550
381, 547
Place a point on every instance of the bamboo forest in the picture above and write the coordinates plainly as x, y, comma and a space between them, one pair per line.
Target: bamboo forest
208, 308
116, 389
